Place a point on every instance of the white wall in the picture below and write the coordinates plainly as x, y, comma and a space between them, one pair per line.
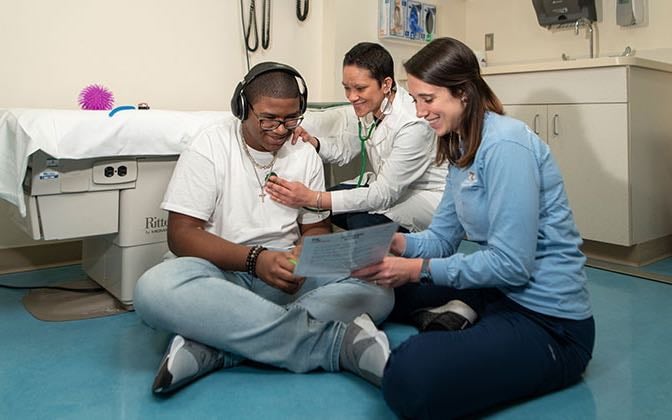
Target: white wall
175, 54
172, 54
518, 36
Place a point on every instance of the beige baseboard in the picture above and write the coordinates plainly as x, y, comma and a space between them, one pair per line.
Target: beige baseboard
14, 260
634, 256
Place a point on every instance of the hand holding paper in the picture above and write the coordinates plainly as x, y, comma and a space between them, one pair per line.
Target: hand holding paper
344, 252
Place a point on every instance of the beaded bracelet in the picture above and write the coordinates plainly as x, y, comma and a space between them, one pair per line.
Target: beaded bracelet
251, 260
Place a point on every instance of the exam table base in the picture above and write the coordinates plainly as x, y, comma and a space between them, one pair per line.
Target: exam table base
118, 268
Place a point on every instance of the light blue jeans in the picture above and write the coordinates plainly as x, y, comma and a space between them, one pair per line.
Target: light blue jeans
248, 319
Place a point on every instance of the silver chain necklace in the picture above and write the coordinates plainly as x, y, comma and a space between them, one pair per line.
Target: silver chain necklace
256, 165
254, 162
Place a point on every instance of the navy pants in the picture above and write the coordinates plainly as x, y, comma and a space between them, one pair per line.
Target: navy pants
356, 220
510, 353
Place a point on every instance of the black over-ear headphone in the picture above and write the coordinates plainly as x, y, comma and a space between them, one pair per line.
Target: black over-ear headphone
239, 101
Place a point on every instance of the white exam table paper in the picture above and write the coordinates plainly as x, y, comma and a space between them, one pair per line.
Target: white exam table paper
343, 252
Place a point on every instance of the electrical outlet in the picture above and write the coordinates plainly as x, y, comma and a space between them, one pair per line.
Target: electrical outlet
115, 171
489, 42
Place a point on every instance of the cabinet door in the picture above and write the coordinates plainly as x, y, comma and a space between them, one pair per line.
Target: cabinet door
532, 115
590, 144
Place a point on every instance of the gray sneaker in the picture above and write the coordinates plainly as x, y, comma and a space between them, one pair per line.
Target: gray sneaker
184, 362
365, 349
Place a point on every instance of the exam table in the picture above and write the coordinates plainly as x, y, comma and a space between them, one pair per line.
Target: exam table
85, 175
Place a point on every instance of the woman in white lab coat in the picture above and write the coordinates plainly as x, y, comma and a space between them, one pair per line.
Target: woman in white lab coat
405, 184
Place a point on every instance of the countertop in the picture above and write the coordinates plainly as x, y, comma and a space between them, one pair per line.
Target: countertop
584, 63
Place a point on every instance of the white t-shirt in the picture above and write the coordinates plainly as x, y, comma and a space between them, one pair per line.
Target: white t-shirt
214, 180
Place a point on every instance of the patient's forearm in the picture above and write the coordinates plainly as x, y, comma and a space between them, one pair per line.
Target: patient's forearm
196, 242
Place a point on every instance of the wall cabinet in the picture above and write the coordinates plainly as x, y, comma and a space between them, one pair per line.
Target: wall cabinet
612, 138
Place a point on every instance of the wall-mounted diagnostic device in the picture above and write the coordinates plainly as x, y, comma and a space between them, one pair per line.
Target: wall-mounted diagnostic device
629, 12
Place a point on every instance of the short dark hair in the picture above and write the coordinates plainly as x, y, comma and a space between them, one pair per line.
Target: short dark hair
273, 84
448, 63
374, 58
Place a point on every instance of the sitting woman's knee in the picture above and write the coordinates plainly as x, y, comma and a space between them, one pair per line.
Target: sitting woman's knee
406, 389
400, 390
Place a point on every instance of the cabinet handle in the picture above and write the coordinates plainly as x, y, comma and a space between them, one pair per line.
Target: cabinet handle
556, 130
536, 123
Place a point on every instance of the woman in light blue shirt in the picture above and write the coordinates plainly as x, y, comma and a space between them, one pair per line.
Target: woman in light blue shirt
523, 289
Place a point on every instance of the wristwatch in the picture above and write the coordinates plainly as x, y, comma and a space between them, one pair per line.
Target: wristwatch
425, 274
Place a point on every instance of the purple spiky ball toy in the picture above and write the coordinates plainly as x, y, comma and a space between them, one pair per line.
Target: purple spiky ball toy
95, 97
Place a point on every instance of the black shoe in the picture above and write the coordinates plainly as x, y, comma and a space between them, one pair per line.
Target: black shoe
453, 316
184, 362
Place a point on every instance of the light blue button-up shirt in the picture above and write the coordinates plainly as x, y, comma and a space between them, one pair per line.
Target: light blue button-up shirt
511, 200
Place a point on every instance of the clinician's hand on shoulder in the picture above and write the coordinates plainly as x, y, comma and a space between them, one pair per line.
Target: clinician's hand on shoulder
290, 193
300, 133
277, 270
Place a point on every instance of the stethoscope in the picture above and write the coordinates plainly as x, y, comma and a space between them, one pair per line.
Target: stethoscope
364, 134
250, 29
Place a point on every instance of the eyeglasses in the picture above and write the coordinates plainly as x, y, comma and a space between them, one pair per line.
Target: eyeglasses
270, 124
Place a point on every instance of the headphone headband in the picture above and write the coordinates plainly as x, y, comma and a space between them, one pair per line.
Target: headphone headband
239, 100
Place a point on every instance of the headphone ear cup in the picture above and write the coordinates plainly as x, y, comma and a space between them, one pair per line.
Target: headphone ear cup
303, 93
242, 103
237, 108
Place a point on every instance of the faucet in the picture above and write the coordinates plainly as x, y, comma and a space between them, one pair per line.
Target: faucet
589, 25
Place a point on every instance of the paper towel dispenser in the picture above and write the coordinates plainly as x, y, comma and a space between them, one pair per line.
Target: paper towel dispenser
558, 12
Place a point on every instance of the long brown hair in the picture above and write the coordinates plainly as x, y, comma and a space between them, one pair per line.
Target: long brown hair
448, 63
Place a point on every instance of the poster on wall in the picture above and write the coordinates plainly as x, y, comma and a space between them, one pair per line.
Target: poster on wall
409, 20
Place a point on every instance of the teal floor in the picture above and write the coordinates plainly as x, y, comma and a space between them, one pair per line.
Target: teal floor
102, 368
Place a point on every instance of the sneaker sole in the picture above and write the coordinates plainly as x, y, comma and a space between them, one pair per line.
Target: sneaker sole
458, 307
164, 377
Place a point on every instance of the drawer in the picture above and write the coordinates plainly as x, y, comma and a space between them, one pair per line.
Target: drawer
70, 216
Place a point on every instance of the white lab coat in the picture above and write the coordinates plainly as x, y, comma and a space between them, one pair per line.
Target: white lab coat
405, 184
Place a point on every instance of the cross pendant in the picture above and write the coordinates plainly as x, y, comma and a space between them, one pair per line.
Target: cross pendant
262, 195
